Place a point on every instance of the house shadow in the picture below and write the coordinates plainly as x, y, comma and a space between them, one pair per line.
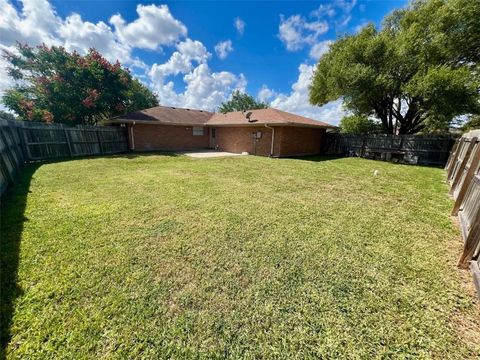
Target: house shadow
12, 220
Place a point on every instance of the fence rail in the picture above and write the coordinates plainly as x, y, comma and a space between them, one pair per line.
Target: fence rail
21, 142
413, 149
463, 176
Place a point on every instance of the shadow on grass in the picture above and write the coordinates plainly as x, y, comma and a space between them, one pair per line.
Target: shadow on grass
318, 158
12, 219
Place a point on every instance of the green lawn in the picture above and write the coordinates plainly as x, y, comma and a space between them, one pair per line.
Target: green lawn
245, 257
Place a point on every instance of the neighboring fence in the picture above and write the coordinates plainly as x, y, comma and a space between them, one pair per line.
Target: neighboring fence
463, 176
412, 149
29, 141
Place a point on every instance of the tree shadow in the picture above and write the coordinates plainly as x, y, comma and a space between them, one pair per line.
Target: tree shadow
319, 158
12, 219
315, 158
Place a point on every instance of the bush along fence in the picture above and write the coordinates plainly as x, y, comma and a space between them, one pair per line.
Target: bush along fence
412, 149
463, 176
22, 142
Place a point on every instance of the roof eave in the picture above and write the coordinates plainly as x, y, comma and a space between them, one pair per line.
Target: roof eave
151, 122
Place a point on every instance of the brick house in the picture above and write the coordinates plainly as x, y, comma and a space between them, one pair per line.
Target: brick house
266, 132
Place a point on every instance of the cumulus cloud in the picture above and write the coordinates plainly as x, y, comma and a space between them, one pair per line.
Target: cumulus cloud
181, 61
154, 27
81, 35
204, 89
223, 48
239, 24
317, 50
297, 100
265, 94
296, 32
35, 24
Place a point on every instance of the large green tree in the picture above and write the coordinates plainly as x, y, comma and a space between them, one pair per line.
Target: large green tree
358, 124
417, 73
473, 123
55, 85
240, 101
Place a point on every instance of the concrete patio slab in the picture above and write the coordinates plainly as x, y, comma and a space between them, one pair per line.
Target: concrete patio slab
209, 154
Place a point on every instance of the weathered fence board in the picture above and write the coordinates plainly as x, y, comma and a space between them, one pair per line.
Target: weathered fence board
30, 141
415, 149
463, 175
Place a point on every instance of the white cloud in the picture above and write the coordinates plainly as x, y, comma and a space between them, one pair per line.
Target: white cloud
317, 50
265, 94
154, 27
223, 48
346, 5
324, 10
239, 24
296, 32
204, 89
297, 101
35, 24
181, 61
81, 35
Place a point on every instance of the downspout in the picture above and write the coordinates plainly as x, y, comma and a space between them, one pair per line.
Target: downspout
273, 139
132, 138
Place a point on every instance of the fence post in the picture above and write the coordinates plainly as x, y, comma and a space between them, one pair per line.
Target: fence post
455, 157
452, 154
67, 139
23, 144
362, 152
9, 149
3, 164
99, 141
459, 173
471, 242
468, 179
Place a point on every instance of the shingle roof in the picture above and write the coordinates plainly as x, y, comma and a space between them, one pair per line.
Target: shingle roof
268, 116
166, 115
178, 116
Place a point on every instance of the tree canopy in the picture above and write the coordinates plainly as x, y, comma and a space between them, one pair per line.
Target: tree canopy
241, 102
55, 85
417, 73
358, 124
473, 123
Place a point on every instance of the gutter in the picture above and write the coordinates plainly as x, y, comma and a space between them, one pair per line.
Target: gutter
273, 138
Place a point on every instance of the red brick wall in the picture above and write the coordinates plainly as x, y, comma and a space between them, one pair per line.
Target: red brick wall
289, 140
240, 139
300, 140
167, 137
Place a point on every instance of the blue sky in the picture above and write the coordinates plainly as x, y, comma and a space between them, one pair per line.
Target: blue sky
194, 53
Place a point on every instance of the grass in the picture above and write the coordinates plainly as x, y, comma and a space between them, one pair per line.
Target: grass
245, 257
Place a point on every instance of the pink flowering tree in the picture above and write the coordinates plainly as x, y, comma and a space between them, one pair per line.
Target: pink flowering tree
53, 85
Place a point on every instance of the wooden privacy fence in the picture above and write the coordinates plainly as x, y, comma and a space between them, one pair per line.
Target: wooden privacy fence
463, 176
413, 149
21, 142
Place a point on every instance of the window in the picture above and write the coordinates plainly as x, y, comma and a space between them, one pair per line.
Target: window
197, 131
213, 133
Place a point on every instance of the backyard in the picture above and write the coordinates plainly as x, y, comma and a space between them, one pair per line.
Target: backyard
164, 256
